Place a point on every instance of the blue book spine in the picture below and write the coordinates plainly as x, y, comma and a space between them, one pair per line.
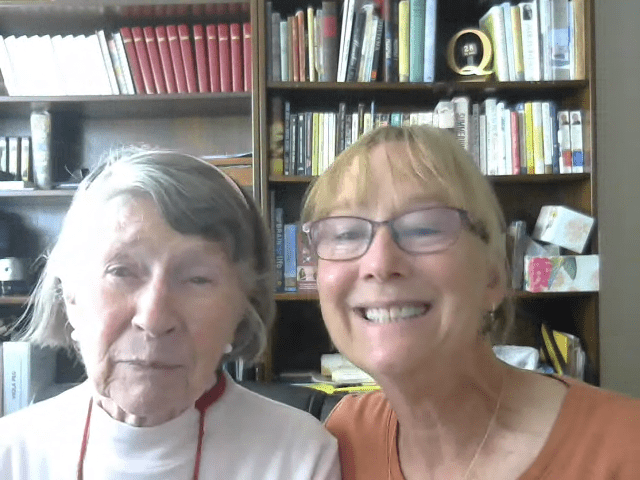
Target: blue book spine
430, 41
279, 248
290, 261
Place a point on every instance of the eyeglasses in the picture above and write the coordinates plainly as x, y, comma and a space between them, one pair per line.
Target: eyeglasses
427, 230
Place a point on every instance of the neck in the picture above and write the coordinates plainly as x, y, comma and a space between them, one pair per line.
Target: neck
444, 415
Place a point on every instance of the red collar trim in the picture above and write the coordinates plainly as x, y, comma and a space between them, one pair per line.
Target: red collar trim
209, 397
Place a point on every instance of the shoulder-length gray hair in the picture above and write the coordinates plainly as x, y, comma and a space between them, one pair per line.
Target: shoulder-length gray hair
194, 197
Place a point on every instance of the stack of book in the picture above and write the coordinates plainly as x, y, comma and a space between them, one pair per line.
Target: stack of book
133, 60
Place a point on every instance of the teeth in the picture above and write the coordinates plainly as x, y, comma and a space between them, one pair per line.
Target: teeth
393, 314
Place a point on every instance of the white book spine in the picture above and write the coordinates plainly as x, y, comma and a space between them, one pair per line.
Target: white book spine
538, 153
493, 24
564, 139
345, 39
15, 383
560, 54
122, 56
482, 147
311, 51
501, 168
14, 157
117, 66
577, 150
461, 106
530, 40
108, 62
490, 107
7, 69
544, 8
547, 135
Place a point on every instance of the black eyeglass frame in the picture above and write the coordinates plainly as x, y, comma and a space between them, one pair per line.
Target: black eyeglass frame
477, 228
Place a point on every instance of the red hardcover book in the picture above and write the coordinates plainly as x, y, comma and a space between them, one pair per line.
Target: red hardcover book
154, 59
237, 82
295, 52
247, 56
214, 57
165, 59
302, 50
224, 51
143, 58
176, 58
132, 59
187, 58
202, 67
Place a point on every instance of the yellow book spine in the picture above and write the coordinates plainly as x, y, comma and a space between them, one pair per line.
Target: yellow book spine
518, 54
403, 40
538, 137
579, 67
310, 44
528, 135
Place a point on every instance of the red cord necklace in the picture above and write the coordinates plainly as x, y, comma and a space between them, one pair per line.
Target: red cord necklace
202, 404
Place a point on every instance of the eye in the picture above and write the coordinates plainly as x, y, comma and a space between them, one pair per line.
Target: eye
199, 280
421, 231
347, 235
120, 271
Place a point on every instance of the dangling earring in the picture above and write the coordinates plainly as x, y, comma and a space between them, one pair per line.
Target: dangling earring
228, 348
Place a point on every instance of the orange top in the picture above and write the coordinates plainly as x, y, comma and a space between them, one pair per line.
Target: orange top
595, 437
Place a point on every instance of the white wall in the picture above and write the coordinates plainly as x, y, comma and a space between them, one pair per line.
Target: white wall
618, 156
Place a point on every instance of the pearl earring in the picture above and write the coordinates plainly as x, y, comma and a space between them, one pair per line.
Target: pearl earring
228, 348
74, 335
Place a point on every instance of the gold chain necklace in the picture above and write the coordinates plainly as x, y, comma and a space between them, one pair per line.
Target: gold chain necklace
486, 433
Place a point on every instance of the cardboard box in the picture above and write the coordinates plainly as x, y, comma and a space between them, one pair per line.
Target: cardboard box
566, 273
564, 227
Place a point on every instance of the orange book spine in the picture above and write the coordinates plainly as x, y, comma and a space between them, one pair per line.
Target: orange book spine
176, 58
132, 59
214, 57
187, 58
165, 59
225, 57
237, 82
143, 58
247, 56
202, 65
154, 59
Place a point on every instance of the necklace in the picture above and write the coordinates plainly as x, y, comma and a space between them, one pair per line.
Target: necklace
202, 404
486, 433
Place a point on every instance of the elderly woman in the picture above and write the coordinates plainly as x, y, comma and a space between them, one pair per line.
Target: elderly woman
161, 273
411, 247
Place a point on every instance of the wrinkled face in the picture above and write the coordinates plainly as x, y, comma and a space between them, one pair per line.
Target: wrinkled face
390, 311
152, 309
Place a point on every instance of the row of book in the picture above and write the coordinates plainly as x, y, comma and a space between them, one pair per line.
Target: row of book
388, 40
132, 60
504, 139
537, 40
16, 162
26, 372
296, 267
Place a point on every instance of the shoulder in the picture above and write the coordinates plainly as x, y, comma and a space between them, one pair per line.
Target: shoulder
27, 435
272, 418
596, 431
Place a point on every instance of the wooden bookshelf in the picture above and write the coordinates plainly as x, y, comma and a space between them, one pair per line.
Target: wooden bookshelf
521, 195
219, 123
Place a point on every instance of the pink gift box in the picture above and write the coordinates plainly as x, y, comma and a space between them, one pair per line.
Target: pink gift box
565, 273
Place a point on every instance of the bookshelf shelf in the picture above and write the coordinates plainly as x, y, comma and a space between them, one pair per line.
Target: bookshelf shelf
37, 193
132, 106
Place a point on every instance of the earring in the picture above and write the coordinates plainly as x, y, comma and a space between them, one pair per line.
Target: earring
74, 335
228, 348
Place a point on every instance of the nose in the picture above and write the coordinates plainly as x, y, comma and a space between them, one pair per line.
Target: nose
384, 260
155, 314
